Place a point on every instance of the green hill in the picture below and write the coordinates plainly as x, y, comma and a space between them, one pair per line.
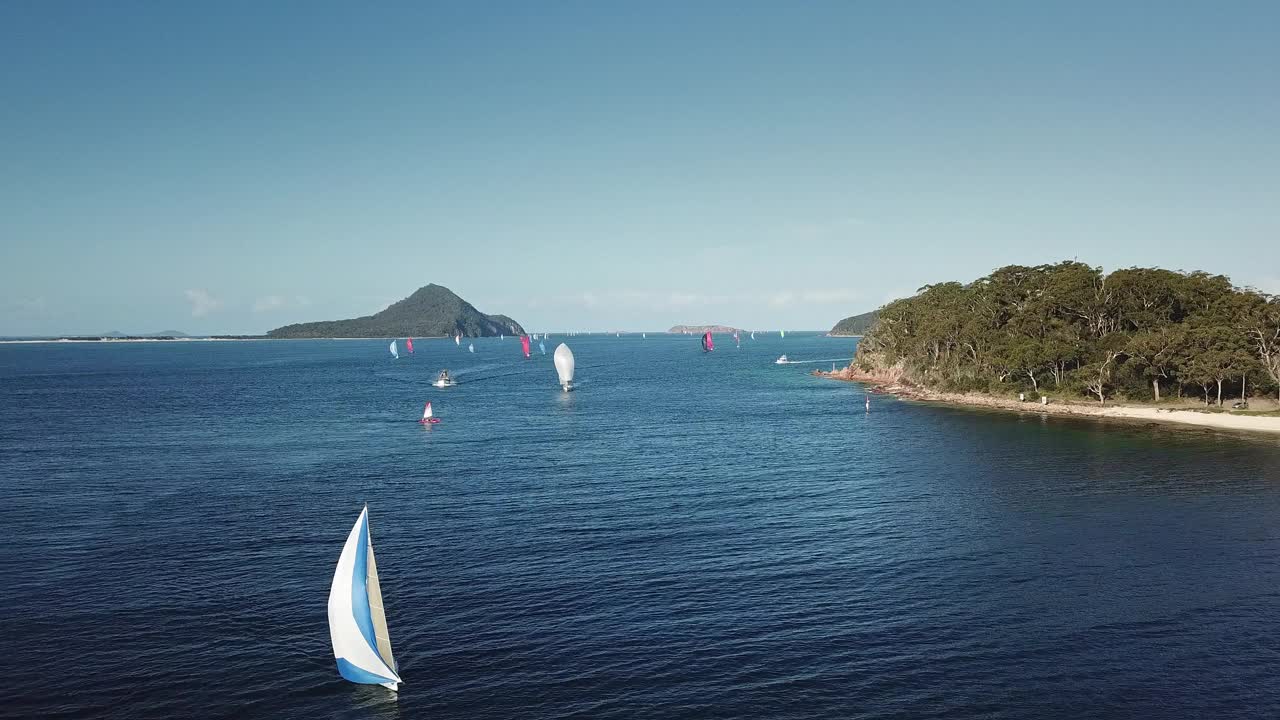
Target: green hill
432, 311
856, 325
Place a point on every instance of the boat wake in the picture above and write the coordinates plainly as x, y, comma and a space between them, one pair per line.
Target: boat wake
802, 362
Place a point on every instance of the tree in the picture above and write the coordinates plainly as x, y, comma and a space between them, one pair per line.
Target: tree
1261, 325
1156, 351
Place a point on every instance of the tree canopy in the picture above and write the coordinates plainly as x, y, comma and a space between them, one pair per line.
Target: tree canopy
1140, 332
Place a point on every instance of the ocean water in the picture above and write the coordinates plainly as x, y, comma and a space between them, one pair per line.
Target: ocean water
684, 536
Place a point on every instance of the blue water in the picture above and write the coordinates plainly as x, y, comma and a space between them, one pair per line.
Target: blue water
685, 536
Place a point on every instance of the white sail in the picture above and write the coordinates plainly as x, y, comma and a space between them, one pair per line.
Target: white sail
471, 347
564, 365
357, 622
782, 333
426, 412
394, 353
457, 339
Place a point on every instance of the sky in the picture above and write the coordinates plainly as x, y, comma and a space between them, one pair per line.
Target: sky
232, 167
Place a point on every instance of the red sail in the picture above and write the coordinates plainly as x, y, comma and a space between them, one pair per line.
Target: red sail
524, 344
409, 344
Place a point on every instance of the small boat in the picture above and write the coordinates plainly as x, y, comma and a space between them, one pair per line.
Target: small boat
524, 345
457, 339
781, 361
753, 334
427, 417
542, 347
408, 343
644, 336
737, 341
782, 333
707, 343
868, 397
501, 336
357, 620
443, 381
563, 359
394, 352
471, 347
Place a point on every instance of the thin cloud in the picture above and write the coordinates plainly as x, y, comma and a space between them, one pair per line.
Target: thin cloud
279, 302
202, 303
25, 307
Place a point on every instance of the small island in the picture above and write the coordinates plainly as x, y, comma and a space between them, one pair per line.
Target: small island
1138, 343
700, 329
431, 311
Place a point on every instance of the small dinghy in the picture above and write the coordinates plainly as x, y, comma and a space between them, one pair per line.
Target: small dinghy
408, 344
428, 418
395, 354
357, 621
708, 344
471, 347
781, 361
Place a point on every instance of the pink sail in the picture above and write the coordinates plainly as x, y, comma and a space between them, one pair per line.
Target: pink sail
524, 344
409, 344
707, 343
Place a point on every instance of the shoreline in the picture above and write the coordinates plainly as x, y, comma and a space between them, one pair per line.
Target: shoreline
890, 383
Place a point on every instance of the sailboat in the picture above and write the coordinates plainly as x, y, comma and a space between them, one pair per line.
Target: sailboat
644, 336
737, 341
357, 621
394, 353
428, 418
501, 336
753, 334
457, 339
524, 345
782, 333
707, 343
563, 358
471, 347
408, 343
542, 347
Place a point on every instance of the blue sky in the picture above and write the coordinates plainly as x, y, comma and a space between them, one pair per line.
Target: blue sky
231, 167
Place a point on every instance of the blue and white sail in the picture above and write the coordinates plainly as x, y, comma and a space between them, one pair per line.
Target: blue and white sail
542, 347
357, 622
394, 352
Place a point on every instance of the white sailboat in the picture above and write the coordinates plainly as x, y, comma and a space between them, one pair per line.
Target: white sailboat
563, 359
394, 353
357, 621
457, 339
471, 347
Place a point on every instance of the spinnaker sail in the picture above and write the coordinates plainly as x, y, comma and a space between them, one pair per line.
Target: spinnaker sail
563, 358
394, 352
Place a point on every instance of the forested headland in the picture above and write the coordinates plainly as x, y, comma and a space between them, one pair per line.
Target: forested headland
1069, 329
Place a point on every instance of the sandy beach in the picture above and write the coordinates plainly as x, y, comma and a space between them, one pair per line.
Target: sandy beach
890, 382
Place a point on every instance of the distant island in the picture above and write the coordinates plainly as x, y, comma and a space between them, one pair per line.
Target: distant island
699, 329
432, 311
856, 325
1072, 336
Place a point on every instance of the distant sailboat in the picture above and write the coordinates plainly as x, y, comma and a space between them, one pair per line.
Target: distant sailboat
457, 339
428, 418
707, 343
501, 336
394, 352
644, 336
737, 341
564, 366
524, 344
782, 333
408, 343
542, 347
471, 347
753, 334
357, 621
